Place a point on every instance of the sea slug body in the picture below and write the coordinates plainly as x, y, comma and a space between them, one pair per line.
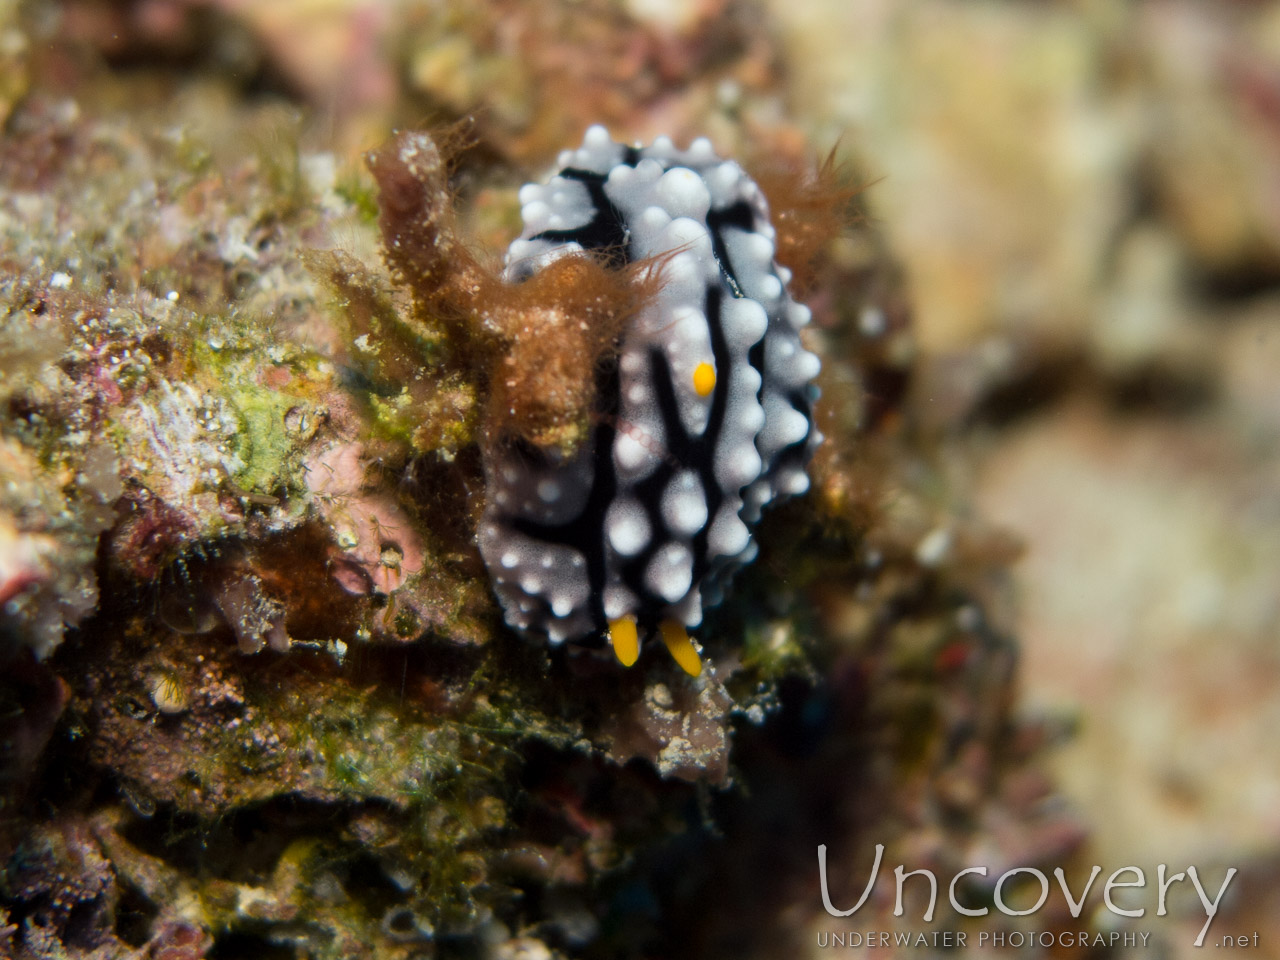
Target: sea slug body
704, 414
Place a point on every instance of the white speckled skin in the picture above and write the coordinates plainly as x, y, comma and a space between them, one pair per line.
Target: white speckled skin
653, 517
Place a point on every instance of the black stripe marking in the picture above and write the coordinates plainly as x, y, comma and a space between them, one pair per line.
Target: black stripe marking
584, 532
738, 215
606, 232
685, 452
715, 421
741, 216
755, 357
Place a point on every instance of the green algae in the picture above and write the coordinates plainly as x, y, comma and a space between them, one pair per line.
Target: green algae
270, 453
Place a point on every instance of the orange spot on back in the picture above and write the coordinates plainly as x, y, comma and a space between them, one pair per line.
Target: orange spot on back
704, 379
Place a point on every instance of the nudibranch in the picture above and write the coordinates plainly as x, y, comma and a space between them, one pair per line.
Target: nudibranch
703, 415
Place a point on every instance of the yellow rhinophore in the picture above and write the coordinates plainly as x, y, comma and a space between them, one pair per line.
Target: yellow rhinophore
626, 644
677, 640
704, 379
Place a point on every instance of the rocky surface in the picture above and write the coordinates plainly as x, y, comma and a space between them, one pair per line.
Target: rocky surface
256, 700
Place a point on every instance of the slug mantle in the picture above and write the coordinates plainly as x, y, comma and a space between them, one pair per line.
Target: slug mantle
702, 412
